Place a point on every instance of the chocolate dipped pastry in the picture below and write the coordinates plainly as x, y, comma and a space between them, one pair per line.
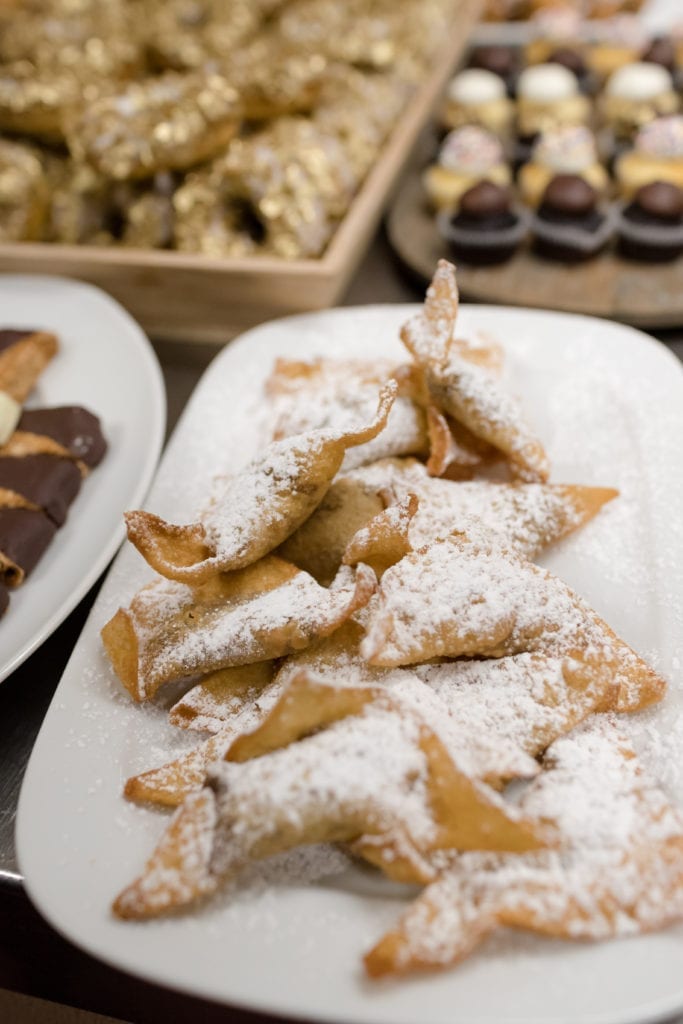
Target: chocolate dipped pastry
24, 354
69, 431
4, 599
567, 150
24, 536
650, 228
467, 156
478, 97
488, 228
570, 225
43, 482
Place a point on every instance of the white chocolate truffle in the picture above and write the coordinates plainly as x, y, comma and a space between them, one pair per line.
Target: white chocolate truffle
476, 86
471, 151
639, 82
547, 83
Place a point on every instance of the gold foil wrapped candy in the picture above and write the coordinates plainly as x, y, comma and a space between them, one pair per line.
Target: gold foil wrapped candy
23, 193
167, 123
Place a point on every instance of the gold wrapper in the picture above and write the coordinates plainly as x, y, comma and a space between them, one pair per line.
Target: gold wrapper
167, 123
186, 35
212, 220
23, 193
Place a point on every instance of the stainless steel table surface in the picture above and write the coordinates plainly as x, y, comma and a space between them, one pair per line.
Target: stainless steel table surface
33, 958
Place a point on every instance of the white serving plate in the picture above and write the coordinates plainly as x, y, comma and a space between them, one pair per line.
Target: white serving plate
106, 364
608, 402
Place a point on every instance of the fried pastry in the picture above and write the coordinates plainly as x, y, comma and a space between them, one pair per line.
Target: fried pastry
256, 510
618, 872
221, 695
337, 393
523, 517
171, 631
24, 354
379, 773
464, 391
463, 597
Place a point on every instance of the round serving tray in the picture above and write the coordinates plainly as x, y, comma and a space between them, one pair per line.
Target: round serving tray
641, 294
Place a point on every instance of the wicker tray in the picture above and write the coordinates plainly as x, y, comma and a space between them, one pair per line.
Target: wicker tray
176, 296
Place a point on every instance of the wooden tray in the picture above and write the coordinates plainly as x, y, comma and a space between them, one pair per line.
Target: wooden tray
181, 297
641, 294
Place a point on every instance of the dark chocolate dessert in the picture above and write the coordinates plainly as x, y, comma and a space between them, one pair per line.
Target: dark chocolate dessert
501, 60
574, 61
651, 226
661, 50
570, 225
487, 227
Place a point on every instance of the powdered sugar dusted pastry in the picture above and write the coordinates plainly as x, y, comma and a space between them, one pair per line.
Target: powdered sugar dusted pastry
170, 631
618, 872
337, 394
254, 511
460, 597
379, 773
522, 517
464, 391
467, 155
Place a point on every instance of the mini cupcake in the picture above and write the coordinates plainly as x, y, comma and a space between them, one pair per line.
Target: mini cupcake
568, 150
467, 156
635, 94
548, 97
487, 228
551, 28
570, 224
650, 228
615, 42
657, 155
478, 97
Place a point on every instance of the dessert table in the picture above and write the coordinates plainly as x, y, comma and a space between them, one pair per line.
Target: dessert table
34, 959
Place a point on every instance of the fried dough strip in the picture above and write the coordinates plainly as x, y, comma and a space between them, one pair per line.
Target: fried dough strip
171, 631
256, 510
463, 390
619, 871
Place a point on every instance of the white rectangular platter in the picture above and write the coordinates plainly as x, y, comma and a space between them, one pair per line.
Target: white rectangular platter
608, 403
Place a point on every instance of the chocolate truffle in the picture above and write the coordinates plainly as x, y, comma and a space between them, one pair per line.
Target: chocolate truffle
661, 51
501, 60
487, 229
570, 225
651, 226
